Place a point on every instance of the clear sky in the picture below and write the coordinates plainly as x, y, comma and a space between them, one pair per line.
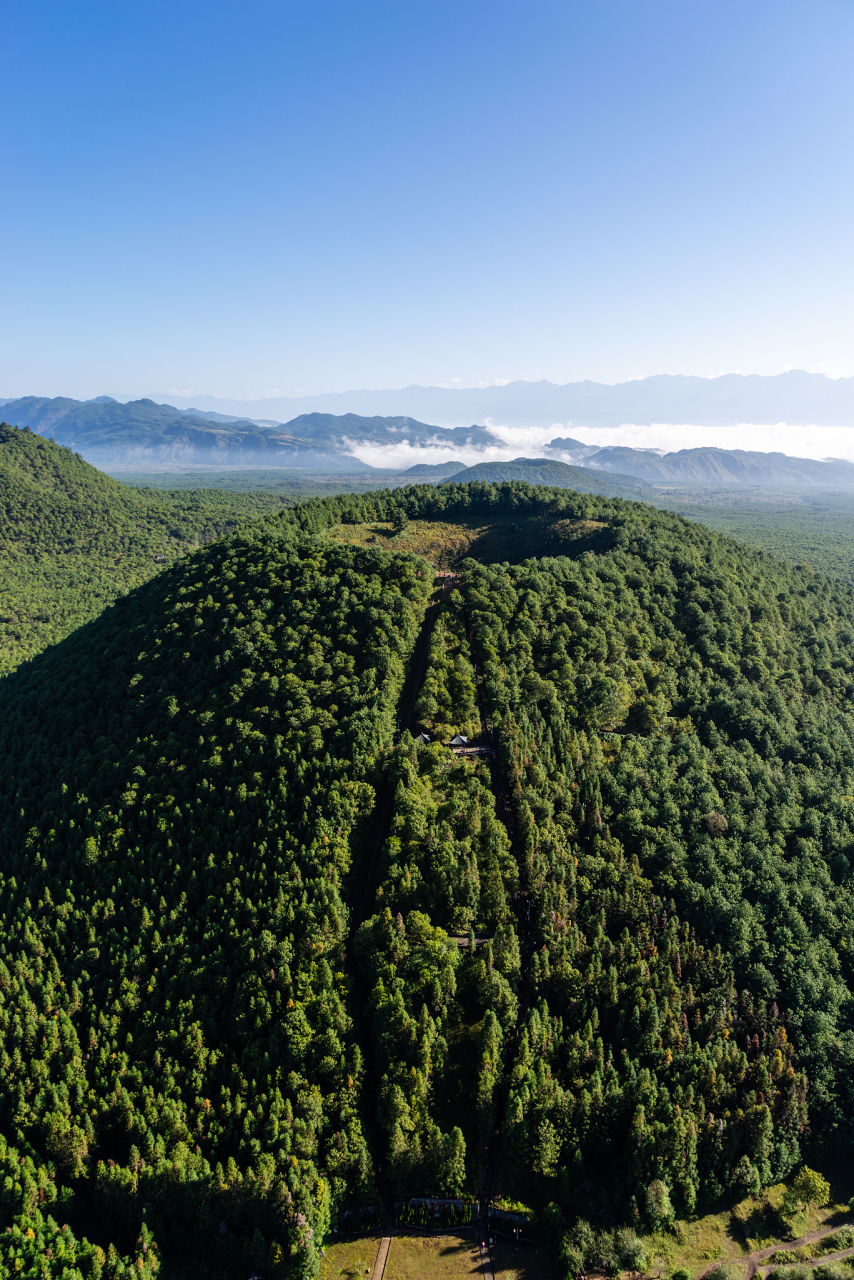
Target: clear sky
258, 197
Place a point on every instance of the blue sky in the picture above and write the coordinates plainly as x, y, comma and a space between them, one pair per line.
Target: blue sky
252, 197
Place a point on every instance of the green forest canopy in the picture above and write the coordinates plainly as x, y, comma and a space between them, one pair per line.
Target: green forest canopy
72, 540
201, 1026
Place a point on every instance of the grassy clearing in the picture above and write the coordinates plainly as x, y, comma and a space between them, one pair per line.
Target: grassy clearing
349, 1259
448, 1257
507, 537
440, 543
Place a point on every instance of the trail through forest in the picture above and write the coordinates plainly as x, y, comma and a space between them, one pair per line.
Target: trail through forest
490, 1177
494, 1169
381, 823
668, 804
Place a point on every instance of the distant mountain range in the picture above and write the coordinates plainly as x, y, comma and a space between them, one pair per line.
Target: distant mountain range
795, 397
707, 466
142, 433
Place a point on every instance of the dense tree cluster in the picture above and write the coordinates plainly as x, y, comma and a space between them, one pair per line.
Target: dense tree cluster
446, 871
439, 1017
192, 773
72, 540
188, 814
447, 703
675, 717
815, 531
448, 854
34, 1243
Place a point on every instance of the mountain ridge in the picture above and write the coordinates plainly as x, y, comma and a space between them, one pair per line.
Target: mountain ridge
708, 465
796, 397
143, 433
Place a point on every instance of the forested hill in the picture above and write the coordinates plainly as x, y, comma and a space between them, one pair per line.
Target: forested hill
72, 539
265, 962
557, 474
205, 752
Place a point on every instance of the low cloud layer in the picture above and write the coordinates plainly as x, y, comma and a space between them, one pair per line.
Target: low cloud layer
514, 442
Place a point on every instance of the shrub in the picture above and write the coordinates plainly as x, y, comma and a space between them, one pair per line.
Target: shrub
631, 1253
552, 1226
578, 1250
746, 1177
606, 1257
801, 1271
832, 1271
571, 1259
725, 1271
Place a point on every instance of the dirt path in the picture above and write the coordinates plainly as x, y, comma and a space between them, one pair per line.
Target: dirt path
486, 1260
831, 1257
755, 1259
483, 1223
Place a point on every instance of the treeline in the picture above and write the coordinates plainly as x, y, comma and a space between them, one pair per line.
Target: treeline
191, 775
454, 502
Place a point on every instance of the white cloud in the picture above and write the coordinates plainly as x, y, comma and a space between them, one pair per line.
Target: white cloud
515, 442
796, 441
404, 454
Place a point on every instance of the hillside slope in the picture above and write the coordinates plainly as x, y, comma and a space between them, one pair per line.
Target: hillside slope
675, 720
248, 981
549, 472
72, 539
205, 754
